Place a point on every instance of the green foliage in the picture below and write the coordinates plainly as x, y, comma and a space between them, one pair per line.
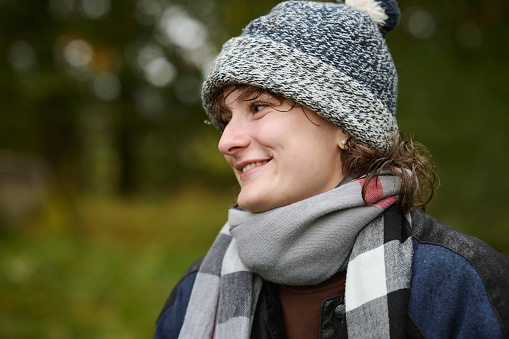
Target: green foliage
107, 272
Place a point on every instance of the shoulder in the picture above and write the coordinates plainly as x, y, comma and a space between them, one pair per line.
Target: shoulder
442, 244
172, 315
459, 284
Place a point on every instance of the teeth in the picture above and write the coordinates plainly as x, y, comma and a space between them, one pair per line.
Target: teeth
253, 165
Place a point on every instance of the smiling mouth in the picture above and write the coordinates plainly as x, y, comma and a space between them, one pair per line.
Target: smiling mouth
253, 165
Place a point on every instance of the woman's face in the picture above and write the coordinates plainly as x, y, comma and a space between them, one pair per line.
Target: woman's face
280, 154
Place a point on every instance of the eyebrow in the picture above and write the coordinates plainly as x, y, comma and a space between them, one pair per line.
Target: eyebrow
247, 96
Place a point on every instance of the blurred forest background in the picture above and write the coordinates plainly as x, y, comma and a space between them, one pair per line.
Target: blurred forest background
111, 184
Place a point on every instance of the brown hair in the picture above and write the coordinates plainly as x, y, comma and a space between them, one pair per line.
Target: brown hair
407, 159
249, 93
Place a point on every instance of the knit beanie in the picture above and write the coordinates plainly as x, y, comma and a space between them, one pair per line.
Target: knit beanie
329, 57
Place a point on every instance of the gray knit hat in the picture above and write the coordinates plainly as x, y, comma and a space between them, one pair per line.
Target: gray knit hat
329, 57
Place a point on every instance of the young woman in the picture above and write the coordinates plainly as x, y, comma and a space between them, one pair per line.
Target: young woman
328, 239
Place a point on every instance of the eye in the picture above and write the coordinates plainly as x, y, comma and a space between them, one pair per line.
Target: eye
258, 106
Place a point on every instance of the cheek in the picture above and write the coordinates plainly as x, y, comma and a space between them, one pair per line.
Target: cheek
322, 150
229, 161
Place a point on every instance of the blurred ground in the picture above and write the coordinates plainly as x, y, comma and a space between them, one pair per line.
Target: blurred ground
104, 271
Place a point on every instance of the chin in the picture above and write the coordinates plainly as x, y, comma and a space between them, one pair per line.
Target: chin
254, 208
251, 205
257, 206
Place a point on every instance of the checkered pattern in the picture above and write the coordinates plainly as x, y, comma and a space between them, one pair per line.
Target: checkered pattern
224, 297
378, 278
222, 280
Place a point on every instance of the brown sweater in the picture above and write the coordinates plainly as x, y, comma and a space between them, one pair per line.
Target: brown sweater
302, 305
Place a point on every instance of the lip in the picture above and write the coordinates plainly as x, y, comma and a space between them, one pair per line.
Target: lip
239, 166
243, 164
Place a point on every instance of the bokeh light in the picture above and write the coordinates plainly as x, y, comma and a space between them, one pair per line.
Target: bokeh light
181, 29
420, 23
61, 8
160, 72
96, 9
106, 86
78, 53
22, 55
147, 11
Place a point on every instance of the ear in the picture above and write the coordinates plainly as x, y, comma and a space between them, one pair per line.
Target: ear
343, 139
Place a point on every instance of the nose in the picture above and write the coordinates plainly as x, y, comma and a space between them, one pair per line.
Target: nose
234, 138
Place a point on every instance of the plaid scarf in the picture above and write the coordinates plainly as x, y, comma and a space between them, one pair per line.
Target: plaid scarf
374, 247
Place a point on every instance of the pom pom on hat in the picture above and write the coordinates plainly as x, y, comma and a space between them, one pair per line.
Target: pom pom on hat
385, 13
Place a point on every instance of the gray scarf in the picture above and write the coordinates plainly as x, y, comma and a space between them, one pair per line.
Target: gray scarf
303, 244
